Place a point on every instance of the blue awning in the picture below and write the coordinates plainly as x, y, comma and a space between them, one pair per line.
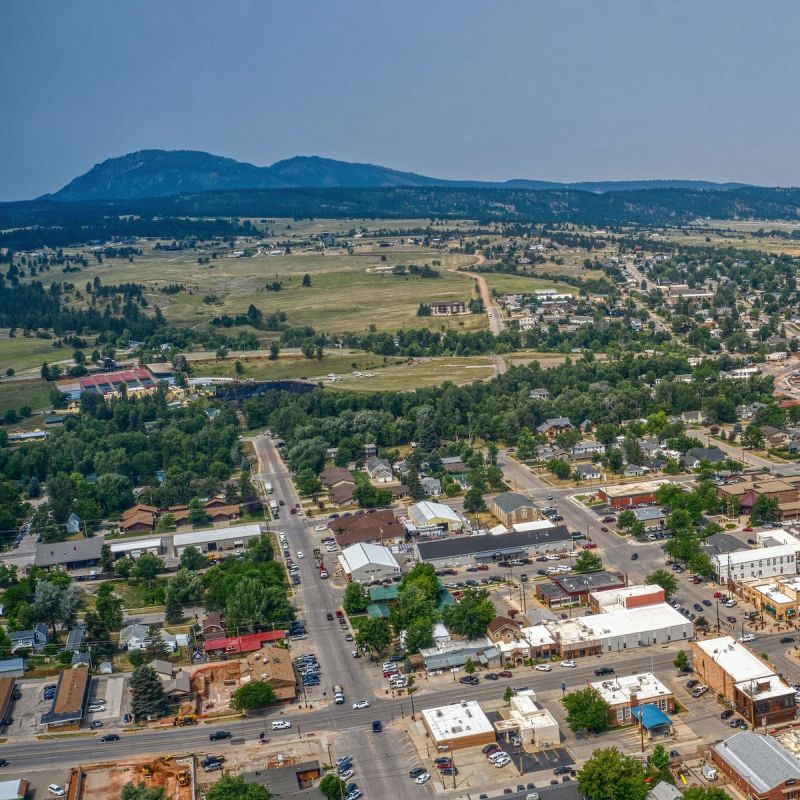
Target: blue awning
653, 715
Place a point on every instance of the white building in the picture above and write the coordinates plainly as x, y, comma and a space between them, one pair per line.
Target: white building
628, 597
366, 563
133, 549
630, 628
215, 539
458, 725
536, 525
624, 692
427, 515
534, 724
760, 562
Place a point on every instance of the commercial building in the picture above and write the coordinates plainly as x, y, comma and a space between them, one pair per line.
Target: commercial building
757, 562
68, 705
624, 693
729, 669
381, 527
778, 597
488, 547
758, 766
76, 554
535, 725
744, 493
573, 590
274, 666
6, 697
429, 516
626, 598
216, 539
14, 789
366, 563
631, 494
458, 726
447, 654
136, 548
517, 645
638, 627
236, 645
511, 507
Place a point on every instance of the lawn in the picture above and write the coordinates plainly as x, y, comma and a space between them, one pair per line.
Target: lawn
503, 283
22, 353
15, 394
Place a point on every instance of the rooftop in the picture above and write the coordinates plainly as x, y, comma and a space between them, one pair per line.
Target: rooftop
756, 554
635, 620
765, 688
70, 696
508, 502
489, 544
50, 554
138, 544
217, 535
362, 554
591, 580
734, 658
429, 511
618, 690
457, 720
760, 758
644, 487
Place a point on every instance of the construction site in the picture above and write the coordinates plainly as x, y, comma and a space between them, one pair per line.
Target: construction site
105, 781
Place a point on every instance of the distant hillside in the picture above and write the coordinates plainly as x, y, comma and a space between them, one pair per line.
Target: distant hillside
165, 173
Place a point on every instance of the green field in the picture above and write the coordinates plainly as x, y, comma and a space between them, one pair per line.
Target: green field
17, 394
22, 353
502, 283
417, 374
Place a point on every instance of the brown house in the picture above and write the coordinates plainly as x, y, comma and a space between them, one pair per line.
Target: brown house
502, 629
380, 527
179, 513
213, 626
339, 483
223, 513
138, 518
511, 507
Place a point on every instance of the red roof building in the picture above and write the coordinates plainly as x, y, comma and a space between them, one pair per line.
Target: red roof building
248, 643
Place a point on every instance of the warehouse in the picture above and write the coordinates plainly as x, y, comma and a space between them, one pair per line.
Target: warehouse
488, 547
134, 549
368, 563
458, 725
632, 494
429, 516
638, 627
215, 539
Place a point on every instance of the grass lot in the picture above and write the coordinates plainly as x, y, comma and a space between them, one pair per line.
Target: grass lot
22, 353
16, 394
141, 594
423, 372
503, 283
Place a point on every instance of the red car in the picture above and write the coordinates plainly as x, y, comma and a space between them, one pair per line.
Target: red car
609, 518
483, 567
589, 546
717, 595
504, 674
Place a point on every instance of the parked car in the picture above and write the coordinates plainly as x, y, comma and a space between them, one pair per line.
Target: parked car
471, 680
692, 683
727, 714
416, 772
569, 663
787, 639
56, 790
543, 668
505, 674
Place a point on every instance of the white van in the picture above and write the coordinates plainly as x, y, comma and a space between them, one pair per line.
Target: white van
709, 772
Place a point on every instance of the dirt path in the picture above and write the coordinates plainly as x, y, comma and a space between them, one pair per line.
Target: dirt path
496, 322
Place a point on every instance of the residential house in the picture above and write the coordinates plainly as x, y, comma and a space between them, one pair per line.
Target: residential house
380, 527
588, 472
587, 448
176, 681
339, 483
635, 470
776, 437
213, 626
33, 639
369, 450
140, 518
696, 455
73, 524
431, 486
137, 637
546, 452
693, 417
553, 426
540, 394
379, 470
447, 307
75, 639
511, 507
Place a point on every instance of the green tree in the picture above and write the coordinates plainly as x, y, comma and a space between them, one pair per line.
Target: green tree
108, 607
147, 693
469, 666
54, 604
471, 614
559, 468
752, 436
473, 500
255, 694
415, 490
173, 608
193, 559
419, 634
97, 633
586, 711
427, 435
197, 515
355, 599
681, 660
625, 519
765, 509
332, 786
666, 580
508, 693
587, 561
306, 280
147, 566
374, 635
141, 791
609, 775
659, 758
156, 646
706, 793
234, 787
274, 351
307, 482
106, 558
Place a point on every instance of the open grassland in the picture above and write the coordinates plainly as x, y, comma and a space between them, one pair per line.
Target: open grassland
286, 228
15, 394
738, 234
503, 283
419, 373
297, 366
22, 353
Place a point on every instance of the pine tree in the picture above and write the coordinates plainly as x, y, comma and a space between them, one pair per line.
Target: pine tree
147, 693
156, 646
173, 610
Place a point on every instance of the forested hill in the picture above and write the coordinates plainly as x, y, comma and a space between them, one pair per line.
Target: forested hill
27, 225
164, 173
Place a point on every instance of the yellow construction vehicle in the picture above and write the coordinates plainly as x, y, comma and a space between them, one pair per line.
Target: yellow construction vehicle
147, 771
184, 778
185, 719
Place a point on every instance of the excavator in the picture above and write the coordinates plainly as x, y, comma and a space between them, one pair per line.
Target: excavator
184, 777
185, 719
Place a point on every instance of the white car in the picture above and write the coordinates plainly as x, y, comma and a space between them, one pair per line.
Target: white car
569, 663
731, 603
552, 557
360, 704
345, 776
281, 724
57, 790
748, 637
300, 554
424, 778
563, 568
320, 528
501, 762
543, 668
497, 755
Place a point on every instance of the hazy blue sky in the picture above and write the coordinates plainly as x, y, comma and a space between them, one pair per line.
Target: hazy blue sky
491, 90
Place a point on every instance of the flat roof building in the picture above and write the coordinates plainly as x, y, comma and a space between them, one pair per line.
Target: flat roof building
137, 547
68, 705
759, 562
73, 554
626, 597
214, 539
488, 547
631, 494
458, 725
624, 692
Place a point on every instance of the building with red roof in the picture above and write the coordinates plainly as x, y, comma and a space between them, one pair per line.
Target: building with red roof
236, 645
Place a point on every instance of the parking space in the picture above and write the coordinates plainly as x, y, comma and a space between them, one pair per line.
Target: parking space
28, 709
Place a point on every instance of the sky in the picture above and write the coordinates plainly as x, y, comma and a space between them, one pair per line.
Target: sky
563, 90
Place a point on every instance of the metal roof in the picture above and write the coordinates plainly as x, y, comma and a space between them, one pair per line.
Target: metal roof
488, 544
758, 758
49, 554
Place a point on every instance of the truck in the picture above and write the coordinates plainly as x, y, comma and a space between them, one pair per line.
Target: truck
709, 772
273, 506
338, 694
323, 573
268, 487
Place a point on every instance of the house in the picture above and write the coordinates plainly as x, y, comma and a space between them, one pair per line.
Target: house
213, 626
546, 452
381, 527
138, 519
223, 513
454, 654
176, 681
453, 465
588, 472
247, 643
370, 450
693, 417
635, 470
551, 427
511, 507
587, 448
339, 483
758, 766
75, 639
378, 469
540, 394
73, 524
33, 639
431, 486
696, 455
137, 637
366, 563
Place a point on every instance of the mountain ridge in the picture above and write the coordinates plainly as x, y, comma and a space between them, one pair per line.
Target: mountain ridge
165, 173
